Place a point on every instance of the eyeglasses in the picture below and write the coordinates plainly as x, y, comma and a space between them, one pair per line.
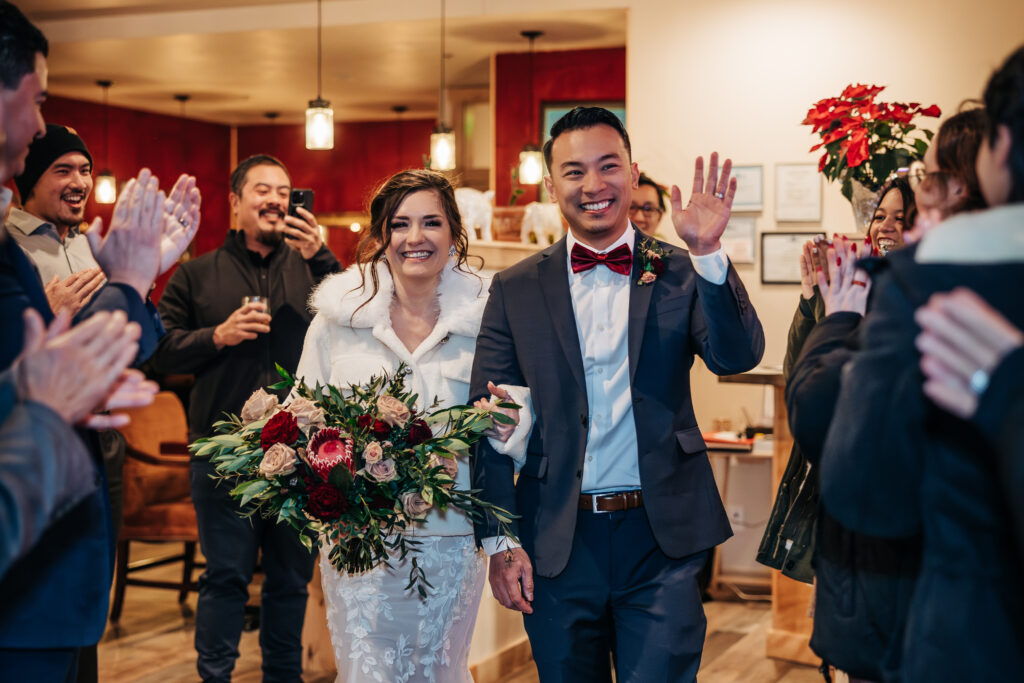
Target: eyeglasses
648, 209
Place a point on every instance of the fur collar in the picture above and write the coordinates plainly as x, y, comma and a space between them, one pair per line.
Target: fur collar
993, 236
462, 296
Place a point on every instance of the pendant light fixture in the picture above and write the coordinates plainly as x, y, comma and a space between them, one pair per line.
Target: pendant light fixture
319, 115
531, 160
106, 184
442, 140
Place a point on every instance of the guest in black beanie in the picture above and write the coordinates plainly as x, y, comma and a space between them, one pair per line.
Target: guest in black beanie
58, 141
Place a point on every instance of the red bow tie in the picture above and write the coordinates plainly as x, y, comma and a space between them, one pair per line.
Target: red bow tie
619, 260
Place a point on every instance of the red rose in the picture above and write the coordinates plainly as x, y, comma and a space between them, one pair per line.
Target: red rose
326, 502
281, 428
419, 432
658, 265
380, 428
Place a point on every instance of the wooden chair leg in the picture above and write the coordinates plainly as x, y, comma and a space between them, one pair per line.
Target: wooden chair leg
186, 573
120, 577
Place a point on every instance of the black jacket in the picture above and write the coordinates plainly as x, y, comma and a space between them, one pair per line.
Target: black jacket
788, 540
203, 292
864, 583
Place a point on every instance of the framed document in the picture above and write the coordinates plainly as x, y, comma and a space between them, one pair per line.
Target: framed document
797, 193
780, 256
738, 239
749, 188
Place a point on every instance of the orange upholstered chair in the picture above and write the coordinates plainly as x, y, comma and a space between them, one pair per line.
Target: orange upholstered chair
157, 502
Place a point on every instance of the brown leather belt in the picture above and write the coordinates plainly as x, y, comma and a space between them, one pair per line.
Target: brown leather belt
612, 502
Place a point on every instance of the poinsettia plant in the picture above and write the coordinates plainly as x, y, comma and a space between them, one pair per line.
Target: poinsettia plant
356, 469
866, 140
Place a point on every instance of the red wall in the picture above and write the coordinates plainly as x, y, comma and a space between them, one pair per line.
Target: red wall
365, 153
571, 76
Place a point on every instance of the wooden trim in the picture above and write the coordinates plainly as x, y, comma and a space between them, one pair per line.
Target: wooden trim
499, 666
790, 646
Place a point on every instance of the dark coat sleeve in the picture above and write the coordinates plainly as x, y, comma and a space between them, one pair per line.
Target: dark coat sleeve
495, 360
871, 464
724, 329
813, 387
323, 263
45, 469
999, 415
808, 313
185, 347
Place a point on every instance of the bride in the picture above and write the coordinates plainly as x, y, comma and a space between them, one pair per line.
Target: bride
410, 298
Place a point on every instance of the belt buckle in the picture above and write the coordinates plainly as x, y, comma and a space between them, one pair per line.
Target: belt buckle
593, 502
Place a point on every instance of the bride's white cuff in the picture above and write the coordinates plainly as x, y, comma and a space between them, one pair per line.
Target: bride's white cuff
496, 544
515, 447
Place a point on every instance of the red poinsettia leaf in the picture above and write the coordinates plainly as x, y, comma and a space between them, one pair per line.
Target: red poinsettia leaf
933, 110
857, 153
823, 162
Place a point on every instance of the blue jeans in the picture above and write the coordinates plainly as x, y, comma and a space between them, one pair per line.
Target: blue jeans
230, 543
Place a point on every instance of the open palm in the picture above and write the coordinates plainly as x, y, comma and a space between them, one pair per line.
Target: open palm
701, 224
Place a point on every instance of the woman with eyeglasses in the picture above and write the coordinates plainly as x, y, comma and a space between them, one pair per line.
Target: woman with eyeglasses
648, 205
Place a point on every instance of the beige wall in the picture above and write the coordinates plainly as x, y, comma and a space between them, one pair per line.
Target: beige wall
738, 76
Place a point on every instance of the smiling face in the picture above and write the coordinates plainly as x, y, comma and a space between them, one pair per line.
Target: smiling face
644, 210
420, 237
593, 179
262, 205
22, 119
60, 193
886, 229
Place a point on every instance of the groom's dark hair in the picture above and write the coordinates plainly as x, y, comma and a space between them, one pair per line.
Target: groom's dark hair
586, 117
1004, 104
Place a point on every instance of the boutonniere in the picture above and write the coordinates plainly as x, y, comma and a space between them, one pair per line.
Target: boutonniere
652, 261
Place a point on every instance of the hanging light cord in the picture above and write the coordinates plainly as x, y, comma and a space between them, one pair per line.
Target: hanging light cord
106, 124
319, 50
441, 89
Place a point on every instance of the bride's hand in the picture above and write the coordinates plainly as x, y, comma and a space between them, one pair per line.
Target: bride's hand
501, 432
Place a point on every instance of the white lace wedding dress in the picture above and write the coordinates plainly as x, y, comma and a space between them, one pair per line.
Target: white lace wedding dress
382, 632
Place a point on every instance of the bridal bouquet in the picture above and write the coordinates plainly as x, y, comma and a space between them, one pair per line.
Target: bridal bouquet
354, 471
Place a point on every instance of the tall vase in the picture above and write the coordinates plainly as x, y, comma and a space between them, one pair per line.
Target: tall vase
864, 202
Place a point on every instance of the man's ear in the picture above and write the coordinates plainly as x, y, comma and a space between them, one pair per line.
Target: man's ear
550, 187
1003, 145
634, 169
233, 201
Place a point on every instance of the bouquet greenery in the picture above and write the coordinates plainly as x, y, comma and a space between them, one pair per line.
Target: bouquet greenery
864, 140
354, 470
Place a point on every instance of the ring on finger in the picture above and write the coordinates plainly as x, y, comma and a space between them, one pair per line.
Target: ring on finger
720, 195
860, 283
979, 381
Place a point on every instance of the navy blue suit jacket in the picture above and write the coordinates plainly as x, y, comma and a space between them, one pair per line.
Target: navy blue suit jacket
528, 337
56, 595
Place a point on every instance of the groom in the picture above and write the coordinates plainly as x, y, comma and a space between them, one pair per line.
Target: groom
617, 502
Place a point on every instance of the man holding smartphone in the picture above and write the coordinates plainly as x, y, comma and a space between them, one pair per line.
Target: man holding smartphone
232, 347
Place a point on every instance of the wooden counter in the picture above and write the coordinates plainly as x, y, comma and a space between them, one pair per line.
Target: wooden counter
790, 629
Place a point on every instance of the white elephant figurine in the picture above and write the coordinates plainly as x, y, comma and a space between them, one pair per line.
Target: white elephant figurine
475, 207
544, 221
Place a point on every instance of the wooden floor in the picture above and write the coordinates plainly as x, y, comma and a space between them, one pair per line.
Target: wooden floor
154, 645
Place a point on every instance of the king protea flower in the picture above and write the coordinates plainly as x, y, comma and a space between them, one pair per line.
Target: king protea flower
327, 448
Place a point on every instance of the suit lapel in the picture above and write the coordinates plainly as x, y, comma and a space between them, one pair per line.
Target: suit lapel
639, 304
553, 275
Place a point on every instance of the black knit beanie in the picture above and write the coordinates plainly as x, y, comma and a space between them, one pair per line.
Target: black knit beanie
58, 141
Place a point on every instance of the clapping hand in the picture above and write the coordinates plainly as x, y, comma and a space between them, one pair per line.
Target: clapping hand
303, 234
962, 340
181, 220
73, 292
847, 287
701, 224
500, 432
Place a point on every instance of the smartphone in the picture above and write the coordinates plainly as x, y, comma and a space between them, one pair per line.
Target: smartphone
303, 198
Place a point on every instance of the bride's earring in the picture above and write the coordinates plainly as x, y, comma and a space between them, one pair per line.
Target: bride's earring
451, 250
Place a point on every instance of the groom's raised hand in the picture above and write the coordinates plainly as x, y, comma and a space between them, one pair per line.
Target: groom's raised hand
511, 577
701, 224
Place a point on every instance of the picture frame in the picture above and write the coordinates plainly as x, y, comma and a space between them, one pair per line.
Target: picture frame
749, 188
738, 240
798, 193
780, 256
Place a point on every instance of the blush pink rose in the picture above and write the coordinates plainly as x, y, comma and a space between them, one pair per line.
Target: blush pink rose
373, 453
307, 413
260, 405
414, 505
450, 465
382, 471
392, 411
279, 459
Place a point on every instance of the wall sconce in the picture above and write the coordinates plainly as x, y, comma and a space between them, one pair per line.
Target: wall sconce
531, 161
106, 184
319, 115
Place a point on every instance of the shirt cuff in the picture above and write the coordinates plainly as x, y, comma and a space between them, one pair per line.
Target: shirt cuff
713, 267
515, 447
496, 544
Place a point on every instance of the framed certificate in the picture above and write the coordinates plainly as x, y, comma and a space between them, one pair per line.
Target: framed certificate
738, 239
797, 193
749, 188
780, 256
